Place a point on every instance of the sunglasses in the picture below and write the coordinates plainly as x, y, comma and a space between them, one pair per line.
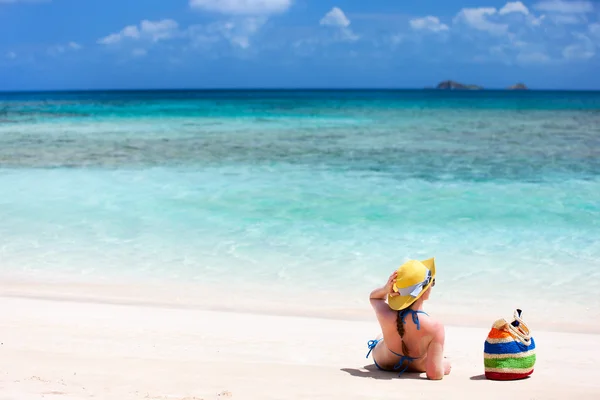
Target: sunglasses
429, 280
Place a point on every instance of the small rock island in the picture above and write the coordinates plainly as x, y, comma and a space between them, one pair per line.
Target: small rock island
452, 85
518, 86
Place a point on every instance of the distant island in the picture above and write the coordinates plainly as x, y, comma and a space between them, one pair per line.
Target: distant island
518, 86
453, 85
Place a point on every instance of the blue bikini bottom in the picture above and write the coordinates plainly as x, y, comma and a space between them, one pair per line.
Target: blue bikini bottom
372, 343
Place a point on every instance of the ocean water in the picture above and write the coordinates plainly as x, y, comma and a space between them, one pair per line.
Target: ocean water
321, 191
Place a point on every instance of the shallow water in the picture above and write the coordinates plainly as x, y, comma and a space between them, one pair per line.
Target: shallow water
315, 190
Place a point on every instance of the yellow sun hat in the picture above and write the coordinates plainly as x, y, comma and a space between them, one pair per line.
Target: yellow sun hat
412, 280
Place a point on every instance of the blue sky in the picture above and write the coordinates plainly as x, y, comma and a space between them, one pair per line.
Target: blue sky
77, 44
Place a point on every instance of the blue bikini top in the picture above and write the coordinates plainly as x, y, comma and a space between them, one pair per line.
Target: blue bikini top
415, 318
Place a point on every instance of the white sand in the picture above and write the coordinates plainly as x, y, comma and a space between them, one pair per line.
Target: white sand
78, 349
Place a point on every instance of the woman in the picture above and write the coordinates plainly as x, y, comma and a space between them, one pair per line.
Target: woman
412, 340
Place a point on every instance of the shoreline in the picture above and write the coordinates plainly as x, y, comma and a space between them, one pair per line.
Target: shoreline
276, 301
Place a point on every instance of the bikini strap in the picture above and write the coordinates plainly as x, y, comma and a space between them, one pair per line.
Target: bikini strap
415, 317
371, 344
401, 361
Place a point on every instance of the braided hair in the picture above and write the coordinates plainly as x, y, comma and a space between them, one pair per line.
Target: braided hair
400, 328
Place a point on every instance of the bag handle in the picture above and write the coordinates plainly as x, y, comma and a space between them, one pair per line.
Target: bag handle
519, 329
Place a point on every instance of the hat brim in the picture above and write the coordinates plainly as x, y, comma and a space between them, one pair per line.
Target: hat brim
401, 302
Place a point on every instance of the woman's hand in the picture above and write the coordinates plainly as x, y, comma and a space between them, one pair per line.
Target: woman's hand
389, 286
387, 289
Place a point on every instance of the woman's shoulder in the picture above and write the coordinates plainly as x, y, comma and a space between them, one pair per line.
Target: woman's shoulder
432, 324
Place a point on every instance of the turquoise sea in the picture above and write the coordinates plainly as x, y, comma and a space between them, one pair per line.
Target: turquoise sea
318, 190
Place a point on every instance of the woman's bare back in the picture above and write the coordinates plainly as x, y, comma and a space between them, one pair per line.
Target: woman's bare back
417, 344
419, 332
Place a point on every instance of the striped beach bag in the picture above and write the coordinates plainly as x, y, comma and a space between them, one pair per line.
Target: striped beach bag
509, 351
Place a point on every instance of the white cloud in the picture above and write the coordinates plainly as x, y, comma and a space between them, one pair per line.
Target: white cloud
63, 48
159, 30
514, 7
237, 32
594, 29
429, 23
335, 17
248, 17
11, 55
536, 21
130, 31
477, 18
491, 20
149, 30
582, 50
565, 7
243, 7
577, 52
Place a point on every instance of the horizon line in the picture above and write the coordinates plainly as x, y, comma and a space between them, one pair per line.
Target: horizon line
306, 89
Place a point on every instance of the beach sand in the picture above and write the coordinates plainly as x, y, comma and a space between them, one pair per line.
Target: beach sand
57, 345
